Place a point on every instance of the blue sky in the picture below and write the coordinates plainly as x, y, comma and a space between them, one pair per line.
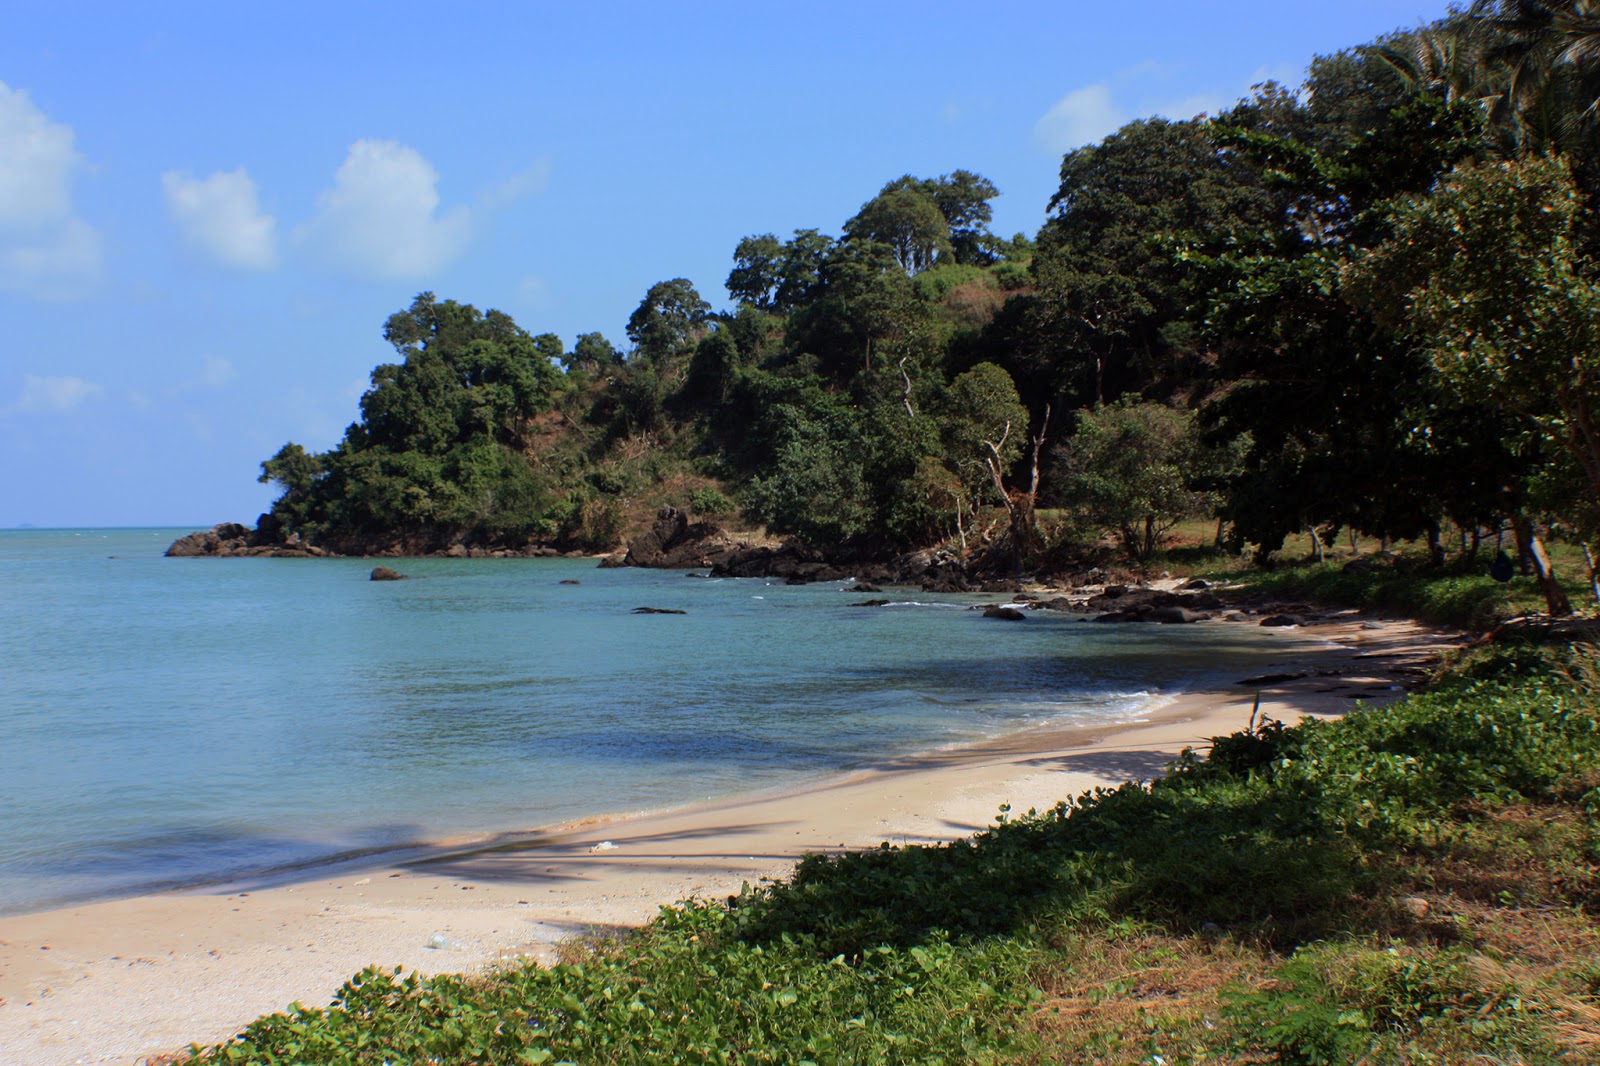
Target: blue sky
208, 210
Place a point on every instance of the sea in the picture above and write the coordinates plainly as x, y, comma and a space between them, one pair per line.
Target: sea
183, 722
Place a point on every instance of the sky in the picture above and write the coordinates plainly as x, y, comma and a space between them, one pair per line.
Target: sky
207, 211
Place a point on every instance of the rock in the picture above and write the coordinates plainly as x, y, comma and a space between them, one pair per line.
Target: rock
863, 586
1283, 620
1270, 679
1010, 614
383, 573
571, 581
1173, 615
1122, 616
1199, 584
1416, 906
456, 551
1058, 603
675, 543
870, 603
657, 610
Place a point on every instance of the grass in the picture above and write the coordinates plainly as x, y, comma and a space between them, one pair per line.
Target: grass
1413, 884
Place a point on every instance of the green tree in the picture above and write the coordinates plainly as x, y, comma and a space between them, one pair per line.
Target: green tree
1132, 468
981, 405
592, 353
905, 218
756, 273
1485, 273
669, 319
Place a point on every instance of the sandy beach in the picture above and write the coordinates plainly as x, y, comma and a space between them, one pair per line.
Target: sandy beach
124, 980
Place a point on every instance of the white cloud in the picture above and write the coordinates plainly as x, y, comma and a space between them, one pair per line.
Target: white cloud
46, 251
220, 217
381, 218
527, 182
1090, 113
53, 395
1081, 117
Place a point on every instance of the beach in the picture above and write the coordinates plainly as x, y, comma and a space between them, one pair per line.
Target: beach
129, 979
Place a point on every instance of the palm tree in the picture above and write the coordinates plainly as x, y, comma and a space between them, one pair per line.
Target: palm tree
1546, 54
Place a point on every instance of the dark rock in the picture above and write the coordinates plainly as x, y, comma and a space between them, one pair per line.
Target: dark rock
863, 586
675, 543
1010, 614
656, 610
1199, 584
571, 581
1126, 599
1123, 616
1283, 620
1270, 679
383, 573
1058, 603
1173, 615
870, 603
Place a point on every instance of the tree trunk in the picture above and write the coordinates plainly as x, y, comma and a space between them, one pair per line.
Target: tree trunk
1316, 545
1435, 544
1594, 578
1555, 597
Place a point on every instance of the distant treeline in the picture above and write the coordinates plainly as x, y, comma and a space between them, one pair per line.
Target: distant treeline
1365, 303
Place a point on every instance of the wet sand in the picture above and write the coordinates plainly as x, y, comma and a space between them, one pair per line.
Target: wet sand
118, 981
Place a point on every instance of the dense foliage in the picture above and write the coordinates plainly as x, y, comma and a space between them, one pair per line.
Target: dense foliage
1285, 869
1373, 294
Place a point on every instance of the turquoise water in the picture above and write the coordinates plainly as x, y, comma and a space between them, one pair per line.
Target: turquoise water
181, 721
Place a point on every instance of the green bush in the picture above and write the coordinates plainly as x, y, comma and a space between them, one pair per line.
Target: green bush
711, 502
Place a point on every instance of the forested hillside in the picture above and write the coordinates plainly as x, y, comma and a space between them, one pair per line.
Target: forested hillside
1364, 303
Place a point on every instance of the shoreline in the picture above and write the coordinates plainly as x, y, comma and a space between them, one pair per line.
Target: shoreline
118, 980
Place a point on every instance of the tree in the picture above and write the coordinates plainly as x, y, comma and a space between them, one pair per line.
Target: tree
670, 318
1485, 273
593, 353
906, 219
1107, 287
981, 405
1131, 467
963, 199
756, 273
438, 446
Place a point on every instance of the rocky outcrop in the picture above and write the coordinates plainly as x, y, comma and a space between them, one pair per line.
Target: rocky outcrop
383, 573
675, 543
269, 538
230, 539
